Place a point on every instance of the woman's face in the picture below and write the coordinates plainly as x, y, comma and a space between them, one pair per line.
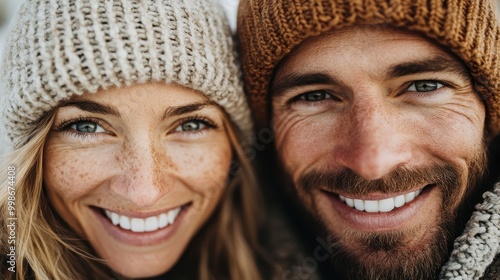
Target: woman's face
137, 171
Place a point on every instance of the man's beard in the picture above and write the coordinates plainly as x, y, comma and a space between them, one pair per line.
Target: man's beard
383, 255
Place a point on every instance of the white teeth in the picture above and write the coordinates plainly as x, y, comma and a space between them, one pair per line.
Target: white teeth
144, 225
359, 204
151, 224
125, 222
115, 218
399, 201
137, 225
371, 206
384, 205
349, 202
171, 216
163, 220
409, 197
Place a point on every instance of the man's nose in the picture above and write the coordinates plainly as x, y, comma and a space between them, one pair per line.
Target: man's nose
144, 177
374, 142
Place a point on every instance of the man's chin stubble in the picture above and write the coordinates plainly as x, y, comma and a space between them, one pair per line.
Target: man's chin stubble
392, 255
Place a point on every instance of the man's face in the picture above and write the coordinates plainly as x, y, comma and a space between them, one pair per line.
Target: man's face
381, 133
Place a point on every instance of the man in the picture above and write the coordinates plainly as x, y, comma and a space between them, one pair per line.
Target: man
383, 112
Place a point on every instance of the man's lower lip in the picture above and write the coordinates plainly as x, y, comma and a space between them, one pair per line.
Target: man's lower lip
365, 221
140, 238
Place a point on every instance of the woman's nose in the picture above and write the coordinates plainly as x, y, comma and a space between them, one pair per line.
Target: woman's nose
144, 177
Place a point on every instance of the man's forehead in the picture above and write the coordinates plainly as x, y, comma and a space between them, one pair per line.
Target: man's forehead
366, 37
400, 53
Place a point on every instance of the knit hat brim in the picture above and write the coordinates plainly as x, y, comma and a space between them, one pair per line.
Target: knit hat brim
270, 30
59, 49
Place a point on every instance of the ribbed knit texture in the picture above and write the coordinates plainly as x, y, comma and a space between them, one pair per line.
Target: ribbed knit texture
60, 48
477, 247
269, 30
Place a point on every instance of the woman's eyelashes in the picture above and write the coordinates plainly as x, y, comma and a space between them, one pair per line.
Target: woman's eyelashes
82, 127
87, 127
195, 125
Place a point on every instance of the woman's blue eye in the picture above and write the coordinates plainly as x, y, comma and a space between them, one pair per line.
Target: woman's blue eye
191, 126
87, 127
424, 86
315, 96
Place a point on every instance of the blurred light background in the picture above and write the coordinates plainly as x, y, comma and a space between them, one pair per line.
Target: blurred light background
8, 9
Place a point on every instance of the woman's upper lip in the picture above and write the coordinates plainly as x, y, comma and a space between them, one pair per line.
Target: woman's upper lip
141, 214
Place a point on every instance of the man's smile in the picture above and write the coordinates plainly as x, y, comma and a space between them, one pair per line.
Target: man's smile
392, 212
382, 205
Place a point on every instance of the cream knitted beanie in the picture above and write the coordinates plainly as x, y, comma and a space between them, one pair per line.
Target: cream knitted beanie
60, 48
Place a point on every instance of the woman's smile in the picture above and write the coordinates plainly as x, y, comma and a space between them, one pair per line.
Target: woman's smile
149, 231
130, 173
149, 222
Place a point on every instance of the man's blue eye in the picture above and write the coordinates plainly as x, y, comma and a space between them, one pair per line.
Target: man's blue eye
87, 127
424, 86
315, 96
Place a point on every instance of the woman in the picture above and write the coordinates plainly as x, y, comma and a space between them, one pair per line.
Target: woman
126, 119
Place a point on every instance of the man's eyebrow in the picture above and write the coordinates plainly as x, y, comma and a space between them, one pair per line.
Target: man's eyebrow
435, 64
184, 109
294, 80
91, 106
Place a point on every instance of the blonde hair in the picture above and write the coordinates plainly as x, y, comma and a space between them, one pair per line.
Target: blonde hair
234, 238
46, 248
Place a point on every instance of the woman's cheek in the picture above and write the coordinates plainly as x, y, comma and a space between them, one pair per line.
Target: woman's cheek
72, 174
204, 169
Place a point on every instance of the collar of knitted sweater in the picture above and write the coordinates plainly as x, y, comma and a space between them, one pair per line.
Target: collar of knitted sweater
477, 247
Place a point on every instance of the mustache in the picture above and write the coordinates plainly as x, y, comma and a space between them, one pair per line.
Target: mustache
399, 180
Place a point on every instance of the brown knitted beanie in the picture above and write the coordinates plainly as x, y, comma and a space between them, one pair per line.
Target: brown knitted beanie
269, 30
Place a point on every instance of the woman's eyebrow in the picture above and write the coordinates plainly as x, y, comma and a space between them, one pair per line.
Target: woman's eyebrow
184, 109
91, 106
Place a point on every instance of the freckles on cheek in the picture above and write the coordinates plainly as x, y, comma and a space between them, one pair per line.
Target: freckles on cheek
207, 170
69, 177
